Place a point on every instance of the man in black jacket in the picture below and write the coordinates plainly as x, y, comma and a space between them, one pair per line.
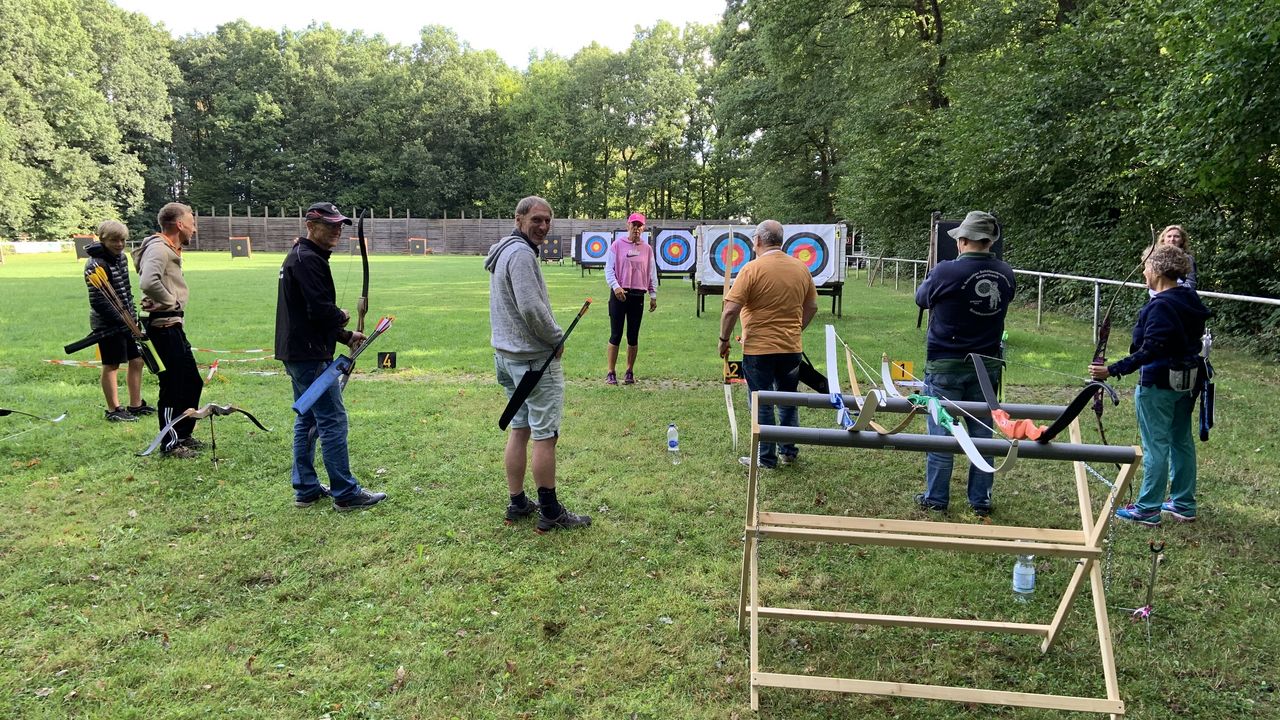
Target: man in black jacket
967, 299
309, 324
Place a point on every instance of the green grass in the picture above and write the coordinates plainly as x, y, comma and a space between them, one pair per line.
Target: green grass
144, 588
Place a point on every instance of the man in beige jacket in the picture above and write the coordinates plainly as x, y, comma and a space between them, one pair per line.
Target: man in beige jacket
164, 299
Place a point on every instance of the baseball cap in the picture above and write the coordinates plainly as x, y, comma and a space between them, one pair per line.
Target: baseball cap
636, 217
326, 212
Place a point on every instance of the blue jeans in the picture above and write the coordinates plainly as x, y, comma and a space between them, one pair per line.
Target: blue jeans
781, 372
326, 420
1168, 448
937, 466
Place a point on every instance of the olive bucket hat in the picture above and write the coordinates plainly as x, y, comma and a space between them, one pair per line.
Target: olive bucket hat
977, 226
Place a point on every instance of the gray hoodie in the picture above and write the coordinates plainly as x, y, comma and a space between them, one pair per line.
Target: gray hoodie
164, 289
519, 309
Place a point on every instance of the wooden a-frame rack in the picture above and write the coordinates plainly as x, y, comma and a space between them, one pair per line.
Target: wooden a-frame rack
1084, 544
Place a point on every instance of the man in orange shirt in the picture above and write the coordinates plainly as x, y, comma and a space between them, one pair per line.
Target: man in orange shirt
776, 298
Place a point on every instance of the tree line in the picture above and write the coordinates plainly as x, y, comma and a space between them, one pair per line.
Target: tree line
1080, 123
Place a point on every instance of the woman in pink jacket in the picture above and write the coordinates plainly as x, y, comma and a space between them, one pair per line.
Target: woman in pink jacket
631, 270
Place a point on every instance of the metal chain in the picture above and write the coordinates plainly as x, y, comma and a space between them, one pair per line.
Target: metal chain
1110, 552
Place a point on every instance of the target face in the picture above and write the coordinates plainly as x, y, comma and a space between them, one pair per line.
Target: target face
810, 249
594, 248
729, 253
675, 250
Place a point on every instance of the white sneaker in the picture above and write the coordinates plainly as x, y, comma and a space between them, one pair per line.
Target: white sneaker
746, 461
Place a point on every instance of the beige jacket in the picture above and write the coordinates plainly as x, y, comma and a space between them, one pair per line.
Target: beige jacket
164, 289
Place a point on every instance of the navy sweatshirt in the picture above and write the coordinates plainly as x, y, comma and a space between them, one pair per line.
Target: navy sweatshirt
1167, 335
967, 299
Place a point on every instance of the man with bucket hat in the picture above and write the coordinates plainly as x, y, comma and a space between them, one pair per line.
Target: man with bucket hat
967, 299
309, 324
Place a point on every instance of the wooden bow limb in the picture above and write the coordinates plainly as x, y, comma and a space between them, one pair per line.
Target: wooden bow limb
197, 414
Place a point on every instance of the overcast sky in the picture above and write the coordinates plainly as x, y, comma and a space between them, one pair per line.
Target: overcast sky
513, 29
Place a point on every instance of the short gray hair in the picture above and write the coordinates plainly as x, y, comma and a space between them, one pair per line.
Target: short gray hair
769, 232
112, 230
526, 205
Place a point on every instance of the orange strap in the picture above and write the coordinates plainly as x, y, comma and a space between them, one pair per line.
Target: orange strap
1016, 429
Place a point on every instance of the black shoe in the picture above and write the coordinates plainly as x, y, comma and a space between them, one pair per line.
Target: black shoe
313, 499
516, 512
981, 511
566, 521
181, 451
192, 443
364, 500
925, 505
120, 415
140, 410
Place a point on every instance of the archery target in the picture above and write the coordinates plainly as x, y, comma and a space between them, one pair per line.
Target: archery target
675, 250
815, 246
722, 249
593, 246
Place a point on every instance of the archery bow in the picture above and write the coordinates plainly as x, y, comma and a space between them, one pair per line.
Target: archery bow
362, 304
207, 411
55, 421
1104, 335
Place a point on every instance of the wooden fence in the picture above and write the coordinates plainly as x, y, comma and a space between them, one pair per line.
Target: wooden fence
390, 235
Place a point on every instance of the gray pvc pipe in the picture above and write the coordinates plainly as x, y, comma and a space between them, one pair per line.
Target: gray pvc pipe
899, 405
1028, 449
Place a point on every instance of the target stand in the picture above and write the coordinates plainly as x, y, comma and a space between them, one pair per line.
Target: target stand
1086, 544
591, 250
240, 247
418, 246
82, 243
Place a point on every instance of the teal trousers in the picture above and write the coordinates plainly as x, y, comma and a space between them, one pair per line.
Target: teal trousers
1168, 448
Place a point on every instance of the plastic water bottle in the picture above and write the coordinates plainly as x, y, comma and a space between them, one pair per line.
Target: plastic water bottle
1024, 578
673, 444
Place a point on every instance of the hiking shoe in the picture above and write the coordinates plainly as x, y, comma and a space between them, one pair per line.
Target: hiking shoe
517, 512
611, 378
981, 511
192, 442
1133, 514
566, 521
120, 415
746, 462
365, 499
182, 452
1185, 516
926, 505
312, 499
787, 459
140, 410
629, 379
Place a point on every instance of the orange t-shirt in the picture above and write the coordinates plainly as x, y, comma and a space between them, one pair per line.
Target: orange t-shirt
773, 290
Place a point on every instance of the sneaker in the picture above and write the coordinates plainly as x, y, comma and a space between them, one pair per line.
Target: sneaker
182, 452
787, 459
120, 415
143, 409
628, 379
365, 499
926, 505
566, 521
192, 442
313, 499
746, 462
1185, 516
1133, 514
981, 511
516, 512
611, 378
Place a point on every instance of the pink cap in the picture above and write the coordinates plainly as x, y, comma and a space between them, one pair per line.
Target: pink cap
636, 217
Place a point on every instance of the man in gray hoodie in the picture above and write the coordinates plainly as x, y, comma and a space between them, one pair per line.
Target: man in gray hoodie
524, 334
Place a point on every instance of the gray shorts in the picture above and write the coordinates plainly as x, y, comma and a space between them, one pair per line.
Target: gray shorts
544, 408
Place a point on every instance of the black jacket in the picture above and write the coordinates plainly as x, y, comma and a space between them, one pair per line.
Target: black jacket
101, 315
308, 322
1167, 335
967, 299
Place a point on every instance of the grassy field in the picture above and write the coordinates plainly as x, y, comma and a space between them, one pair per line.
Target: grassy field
148, 588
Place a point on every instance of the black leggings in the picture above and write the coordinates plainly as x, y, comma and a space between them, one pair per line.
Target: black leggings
632, 311
180, 383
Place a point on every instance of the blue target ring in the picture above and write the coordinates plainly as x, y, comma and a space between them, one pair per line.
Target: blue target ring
595, 246
675, 250
808, 248
730, 250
